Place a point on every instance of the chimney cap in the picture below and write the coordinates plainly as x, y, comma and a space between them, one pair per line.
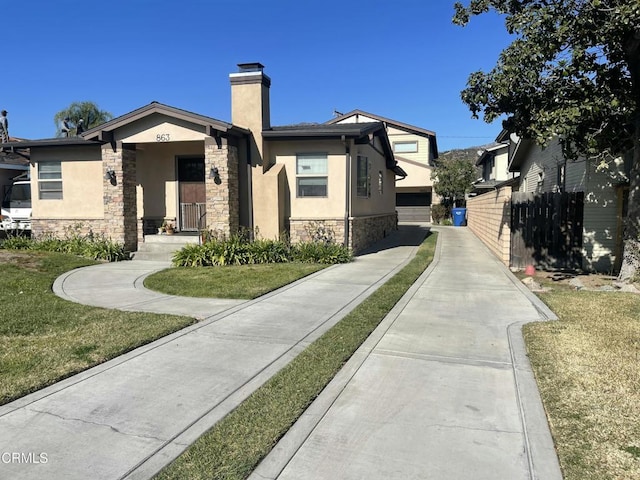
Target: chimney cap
250, 67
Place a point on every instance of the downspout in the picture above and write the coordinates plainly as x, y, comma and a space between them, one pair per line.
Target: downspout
249, 185
347, 213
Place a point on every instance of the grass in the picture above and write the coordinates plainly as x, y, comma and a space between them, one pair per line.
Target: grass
241, 281
236, 444
44, 338
587, 366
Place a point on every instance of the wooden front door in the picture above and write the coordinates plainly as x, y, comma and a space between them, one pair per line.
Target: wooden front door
192, 193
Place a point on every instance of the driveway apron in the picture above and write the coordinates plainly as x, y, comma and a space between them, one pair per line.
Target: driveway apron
441, 390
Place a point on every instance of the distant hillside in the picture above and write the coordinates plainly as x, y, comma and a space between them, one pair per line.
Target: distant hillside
469, 153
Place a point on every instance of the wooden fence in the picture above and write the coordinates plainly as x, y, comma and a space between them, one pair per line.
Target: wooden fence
546, 230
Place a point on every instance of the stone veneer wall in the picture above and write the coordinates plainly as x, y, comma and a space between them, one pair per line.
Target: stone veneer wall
363, 231
489, 218
61, 227
298, 232
223, 202
120, 208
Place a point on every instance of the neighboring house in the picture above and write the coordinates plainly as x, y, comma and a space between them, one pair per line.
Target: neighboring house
545, 170
493, 161
415, 149
13, 163
159, 163
577, 207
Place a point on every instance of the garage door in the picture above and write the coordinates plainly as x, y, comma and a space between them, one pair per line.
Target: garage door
413, 207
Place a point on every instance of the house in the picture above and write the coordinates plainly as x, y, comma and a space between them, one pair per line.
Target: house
557, 213
493, 161
415, 150
159, 163
14, 162
604, 189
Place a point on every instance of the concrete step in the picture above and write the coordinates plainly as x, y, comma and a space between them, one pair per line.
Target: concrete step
162, 247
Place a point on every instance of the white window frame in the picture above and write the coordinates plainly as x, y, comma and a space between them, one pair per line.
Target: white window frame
363, 177
50, 180
408, 143
320, 173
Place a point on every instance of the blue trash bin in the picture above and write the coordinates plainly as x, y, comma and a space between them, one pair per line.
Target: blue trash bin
459, 217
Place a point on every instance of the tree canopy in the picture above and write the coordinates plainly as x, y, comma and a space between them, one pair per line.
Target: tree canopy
88, 112
452, 179
572, 72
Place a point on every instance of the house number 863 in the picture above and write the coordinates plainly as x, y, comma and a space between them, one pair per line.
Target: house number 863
163, 137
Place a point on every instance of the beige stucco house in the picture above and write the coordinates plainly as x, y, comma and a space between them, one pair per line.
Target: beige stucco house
493, 163
159, 163
415, 149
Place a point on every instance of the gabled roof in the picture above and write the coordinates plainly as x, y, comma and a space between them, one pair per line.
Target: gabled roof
104, 131
394, 123
360, 132
489, 150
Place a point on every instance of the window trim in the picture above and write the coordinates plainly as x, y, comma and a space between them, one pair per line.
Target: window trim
325, 175
50, 182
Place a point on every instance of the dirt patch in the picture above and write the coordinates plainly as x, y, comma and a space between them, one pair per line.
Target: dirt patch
579, 281
30, 261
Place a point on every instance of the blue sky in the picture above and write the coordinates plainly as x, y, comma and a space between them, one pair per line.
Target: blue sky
400, 59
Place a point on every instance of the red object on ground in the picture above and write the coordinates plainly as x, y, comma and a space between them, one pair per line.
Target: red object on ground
530, 270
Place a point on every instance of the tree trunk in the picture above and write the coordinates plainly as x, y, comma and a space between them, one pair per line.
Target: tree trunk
631, 251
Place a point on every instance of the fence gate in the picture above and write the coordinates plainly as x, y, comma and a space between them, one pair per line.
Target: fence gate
546, 229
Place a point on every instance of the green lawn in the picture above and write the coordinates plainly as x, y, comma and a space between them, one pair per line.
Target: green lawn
587, 366
44, 338
235, 446
233, 281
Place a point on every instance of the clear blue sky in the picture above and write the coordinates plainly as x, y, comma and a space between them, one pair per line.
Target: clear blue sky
401, 59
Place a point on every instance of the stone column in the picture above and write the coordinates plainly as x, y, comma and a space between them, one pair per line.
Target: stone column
120, 208
223, 202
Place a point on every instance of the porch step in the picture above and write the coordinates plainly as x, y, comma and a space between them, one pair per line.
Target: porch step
160, 248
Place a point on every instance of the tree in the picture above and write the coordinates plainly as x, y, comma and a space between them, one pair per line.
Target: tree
572, 71
452, 179
88, 112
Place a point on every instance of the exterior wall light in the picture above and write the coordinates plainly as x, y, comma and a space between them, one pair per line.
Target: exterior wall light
215, 174
111, 176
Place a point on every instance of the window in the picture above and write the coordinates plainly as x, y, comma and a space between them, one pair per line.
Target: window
364, 180
380, 182
49, 181
560, 181
405, 147
311, 175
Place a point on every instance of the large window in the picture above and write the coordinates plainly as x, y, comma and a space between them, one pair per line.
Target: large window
364, 178
311, 175
49, 181
405, 147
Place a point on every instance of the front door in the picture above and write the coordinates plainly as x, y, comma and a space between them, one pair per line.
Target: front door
192, 193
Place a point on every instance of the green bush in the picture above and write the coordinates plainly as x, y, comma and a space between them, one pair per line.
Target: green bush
96, 247
440, 213
240, 249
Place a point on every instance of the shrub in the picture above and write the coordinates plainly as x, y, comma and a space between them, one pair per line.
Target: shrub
439, 213
74, 242
240, 249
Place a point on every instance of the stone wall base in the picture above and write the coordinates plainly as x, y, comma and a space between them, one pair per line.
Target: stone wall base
67, 227
363, 231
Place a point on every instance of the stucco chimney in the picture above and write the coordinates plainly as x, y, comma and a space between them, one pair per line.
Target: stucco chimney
250, 100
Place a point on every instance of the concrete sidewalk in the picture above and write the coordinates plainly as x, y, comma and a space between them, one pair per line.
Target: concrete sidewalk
129, 417
441, 390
